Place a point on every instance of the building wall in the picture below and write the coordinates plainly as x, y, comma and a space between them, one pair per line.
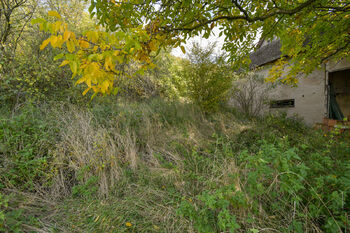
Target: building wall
310, 95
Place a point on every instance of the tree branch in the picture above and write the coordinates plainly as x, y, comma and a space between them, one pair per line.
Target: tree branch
245, 16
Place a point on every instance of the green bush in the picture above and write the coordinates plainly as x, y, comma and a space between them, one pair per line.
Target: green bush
25, 142
24, 80
289, 188
167, 167
206, 78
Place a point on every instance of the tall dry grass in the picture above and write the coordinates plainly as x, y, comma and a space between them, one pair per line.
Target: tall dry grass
134, 136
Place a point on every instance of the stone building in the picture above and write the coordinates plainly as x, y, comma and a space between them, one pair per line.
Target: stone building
325, 93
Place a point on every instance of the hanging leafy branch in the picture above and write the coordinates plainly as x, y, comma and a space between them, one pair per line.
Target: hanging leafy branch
97, 57
311, 31
136, 29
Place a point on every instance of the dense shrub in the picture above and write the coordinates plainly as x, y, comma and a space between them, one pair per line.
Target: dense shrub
25, 143
23, 80
167, 166
156, 82
288, 184
207, 78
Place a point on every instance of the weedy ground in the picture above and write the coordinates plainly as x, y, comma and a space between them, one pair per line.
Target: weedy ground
159, 166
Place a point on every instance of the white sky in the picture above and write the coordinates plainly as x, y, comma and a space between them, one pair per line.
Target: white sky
214, 37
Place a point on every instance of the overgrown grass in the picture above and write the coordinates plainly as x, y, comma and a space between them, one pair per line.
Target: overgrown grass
161, 166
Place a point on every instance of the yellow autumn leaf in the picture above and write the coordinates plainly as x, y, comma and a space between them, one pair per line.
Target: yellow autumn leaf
73, 67
92, 36
81, 80
65, 62
56, 26
53, 40
104, 86
59, 41
86, 90
44, 44
54, 14
63, 27
84, 44
70, 46
153, 46
108, 63
120, 59
66, 35
88, 82
72, 36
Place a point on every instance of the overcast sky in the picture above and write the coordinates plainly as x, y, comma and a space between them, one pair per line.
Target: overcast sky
214, 37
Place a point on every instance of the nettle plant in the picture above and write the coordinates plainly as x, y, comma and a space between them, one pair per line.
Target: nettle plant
278, 186
100, 58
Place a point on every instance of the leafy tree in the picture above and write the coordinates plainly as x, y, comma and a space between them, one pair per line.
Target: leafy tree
153, 82
14, 16
206, 77
100, 58
73, 12
311, 31
25, 71
135, 30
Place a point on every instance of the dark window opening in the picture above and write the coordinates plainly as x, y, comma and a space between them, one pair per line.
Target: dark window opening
339, 94
290, 103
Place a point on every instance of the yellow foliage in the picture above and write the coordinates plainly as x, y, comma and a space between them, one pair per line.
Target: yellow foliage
53, 41
86, 90
70, 46
65, 62
81, 80
56, 26
54, 14
84, 44
92, 36
66, 35
45, 43
153, 45
96, 64
73, 67
109, 63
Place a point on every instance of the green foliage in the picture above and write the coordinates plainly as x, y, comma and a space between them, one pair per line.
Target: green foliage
213, 212
28, 74
87, 189
282, 184
18, 213
168, 167
306, 31
10, 220
206, 77
25, 80
156, 82
25, 141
